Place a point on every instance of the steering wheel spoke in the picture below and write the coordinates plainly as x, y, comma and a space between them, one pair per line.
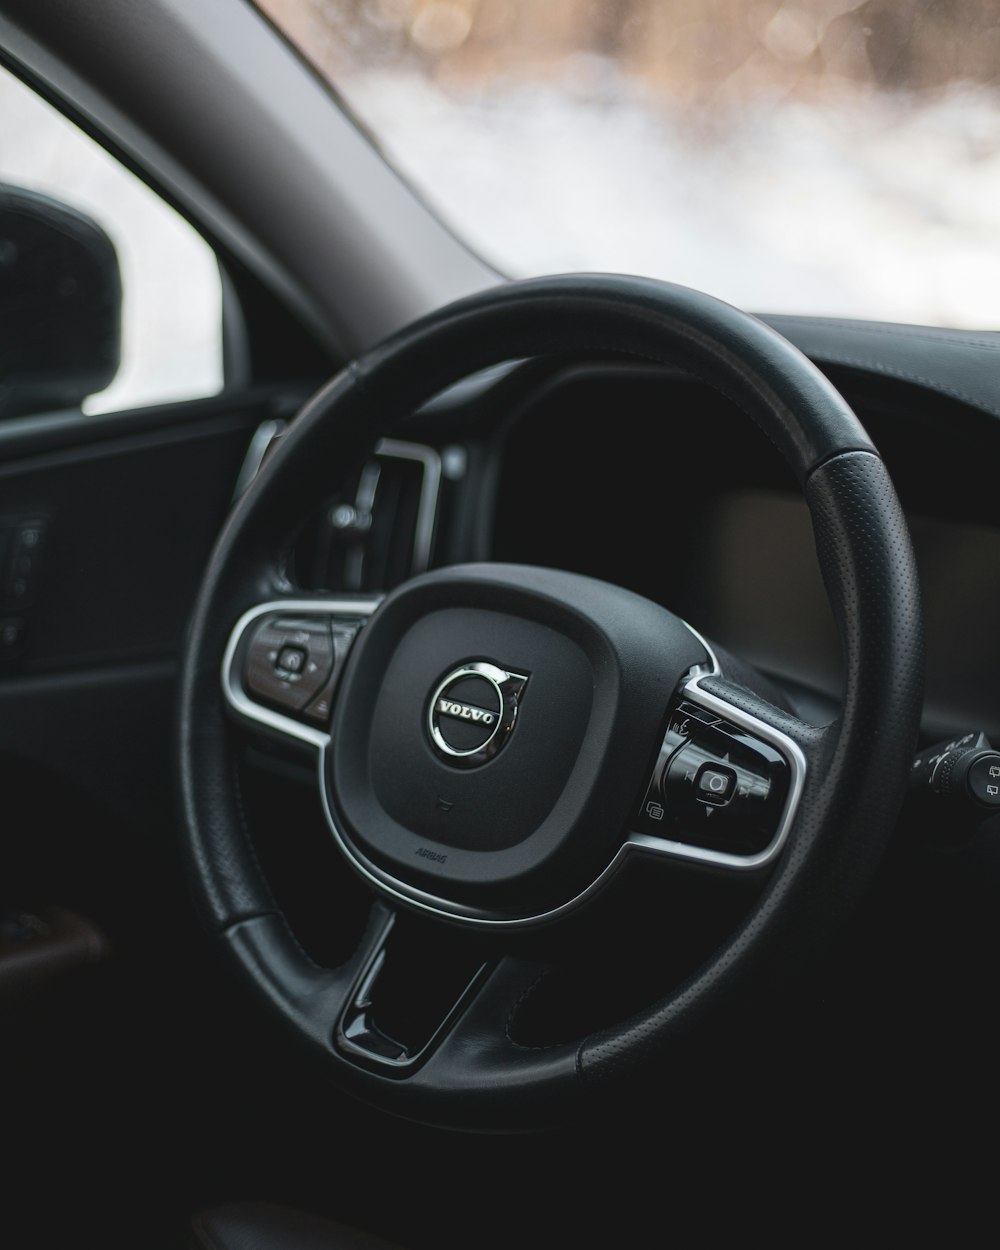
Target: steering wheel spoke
284, 660
448, 1031
411, 989
312, 997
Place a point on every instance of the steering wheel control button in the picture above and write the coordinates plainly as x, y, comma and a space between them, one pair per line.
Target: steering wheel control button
288, 661
291, 661
321, 708
715, 784
688, 717
472, 712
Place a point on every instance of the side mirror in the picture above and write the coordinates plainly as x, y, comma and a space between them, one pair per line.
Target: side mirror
60, 305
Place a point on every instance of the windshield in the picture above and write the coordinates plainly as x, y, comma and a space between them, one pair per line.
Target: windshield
821, 156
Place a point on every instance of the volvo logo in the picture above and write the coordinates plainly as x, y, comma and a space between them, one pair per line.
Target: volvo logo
465, 711
472, 712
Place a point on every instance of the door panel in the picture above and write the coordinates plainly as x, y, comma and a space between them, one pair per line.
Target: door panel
86, 698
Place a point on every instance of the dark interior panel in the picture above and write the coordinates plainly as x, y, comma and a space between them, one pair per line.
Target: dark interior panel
662, 485
109, 523
128, 524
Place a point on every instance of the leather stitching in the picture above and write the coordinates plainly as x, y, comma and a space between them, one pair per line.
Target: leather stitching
518, 1004
876, 327
245, 829
935, 384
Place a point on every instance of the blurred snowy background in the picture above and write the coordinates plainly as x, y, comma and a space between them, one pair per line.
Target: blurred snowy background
820, 156
171, 291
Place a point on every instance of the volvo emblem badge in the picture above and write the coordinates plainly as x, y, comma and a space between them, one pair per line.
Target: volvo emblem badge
472, 712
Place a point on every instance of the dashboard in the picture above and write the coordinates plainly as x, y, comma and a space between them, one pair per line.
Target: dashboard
654, 481
664, 486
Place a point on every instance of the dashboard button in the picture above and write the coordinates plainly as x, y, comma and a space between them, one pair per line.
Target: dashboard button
11, 636
21, 568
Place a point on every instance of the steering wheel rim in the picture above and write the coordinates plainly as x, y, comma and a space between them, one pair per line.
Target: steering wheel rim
477, 1076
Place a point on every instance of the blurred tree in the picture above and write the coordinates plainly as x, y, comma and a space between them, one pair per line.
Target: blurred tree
687, 48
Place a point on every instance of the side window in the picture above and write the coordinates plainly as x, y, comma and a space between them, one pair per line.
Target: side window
108, 298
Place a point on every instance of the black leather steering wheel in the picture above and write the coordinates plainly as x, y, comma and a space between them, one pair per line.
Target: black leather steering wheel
505, 738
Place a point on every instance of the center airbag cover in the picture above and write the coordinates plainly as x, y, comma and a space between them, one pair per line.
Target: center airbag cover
494, 728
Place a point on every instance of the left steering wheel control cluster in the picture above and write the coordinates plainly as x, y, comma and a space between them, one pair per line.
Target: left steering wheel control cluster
292, 662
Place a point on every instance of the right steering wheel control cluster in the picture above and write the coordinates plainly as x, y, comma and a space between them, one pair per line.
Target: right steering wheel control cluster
714, 785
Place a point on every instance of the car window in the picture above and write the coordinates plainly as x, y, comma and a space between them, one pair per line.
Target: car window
805, 156
108, 298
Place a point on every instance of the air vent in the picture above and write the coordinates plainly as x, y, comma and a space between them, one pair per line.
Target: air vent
379, 531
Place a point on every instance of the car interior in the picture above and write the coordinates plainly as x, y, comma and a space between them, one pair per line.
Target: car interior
514, 760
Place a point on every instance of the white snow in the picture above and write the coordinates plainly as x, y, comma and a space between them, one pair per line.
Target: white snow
172, 295
866, 205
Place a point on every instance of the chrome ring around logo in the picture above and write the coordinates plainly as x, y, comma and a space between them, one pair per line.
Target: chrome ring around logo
472, 712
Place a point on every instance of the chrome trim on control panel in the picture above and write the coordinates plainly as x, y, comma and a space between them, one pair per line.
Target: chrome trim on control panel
232, 685
789, 749
714, 667
394, 448
423, 535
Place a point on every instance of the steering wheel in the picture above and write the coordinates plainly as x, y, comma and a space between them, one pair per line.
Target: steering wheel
493, 743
